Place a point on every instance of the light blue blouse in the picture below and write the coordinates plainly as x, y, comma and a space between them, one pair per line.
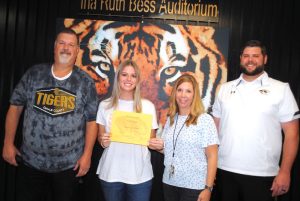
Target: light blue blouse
189, 161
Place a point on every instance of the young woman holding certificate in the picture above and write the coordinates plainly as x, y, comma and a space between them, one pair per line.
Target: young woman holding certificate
190, 145
125, 169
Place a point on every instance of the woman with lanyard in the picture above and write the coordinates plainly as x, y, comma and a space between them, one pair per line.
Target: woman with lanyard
125, 170
190, 145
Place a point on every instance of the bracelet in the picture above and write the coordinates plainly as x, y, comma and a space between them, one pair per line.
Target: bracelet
210, 188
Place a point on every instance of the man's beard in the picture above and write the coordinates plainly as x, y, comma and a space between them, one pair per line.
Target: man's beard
258, 70
64, 58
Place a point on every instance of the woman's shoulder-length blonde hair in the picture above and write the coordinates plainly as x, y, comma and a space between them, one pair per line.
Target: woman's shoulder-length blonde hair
197, 107
116, 92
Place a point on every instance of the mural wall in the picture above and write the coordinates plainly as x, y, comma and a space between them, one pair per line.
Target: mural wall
162, 51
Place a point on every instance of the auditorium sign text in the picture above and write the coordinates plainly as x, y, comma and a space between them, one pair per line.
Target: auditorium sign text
191, 10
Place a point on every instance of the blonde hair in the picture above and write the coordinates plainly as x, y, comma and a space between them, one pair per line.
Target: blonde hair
115, 96
197, 107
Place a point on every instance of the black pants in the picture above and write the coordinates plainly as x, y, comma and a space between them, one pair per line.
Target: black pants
237, 187
173, 193
35, 185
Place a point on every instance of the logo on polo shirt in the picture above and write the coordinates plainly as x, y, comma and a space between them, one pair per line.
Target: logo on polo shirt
54, 101
264, 91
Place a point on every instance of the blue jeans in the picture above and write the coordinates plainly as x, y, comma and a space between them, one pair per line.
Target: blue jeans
117, 191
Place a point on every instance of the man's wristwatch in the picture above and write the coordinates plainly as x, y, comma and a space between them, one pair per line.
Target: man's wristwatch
208, 188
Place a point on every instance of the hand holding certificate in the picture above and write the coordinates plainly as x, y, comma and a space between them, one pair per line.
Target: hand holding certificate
131, 127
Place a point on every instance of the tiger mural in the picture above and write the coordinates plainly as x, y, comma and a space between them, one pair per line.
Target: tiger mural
162, 51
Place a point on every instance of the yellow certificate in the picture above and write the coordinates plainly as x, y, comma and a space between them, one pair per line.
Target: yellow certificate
131, 127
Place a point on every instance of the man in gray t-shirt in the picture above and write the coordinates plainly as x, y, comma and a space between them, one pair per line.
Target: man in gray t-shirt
59, 129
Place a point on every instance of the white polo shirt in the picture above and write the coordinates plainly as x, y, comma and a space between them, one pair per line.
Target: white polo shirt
250, 132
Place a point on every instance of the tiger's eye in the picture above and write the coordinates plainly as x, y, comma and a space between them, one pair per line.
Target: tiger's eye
170, 71
105, 66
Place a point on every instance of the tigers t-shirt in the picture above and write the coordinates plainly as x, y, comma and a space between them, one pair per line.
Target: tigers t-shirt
56, 112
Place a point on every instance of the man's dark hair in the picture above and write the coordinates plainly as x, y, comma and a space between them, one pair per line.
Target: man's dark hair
68, 31
255, 43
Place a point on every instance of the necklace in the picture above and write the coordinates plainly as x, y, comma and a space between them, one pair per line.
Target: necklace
172, 167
